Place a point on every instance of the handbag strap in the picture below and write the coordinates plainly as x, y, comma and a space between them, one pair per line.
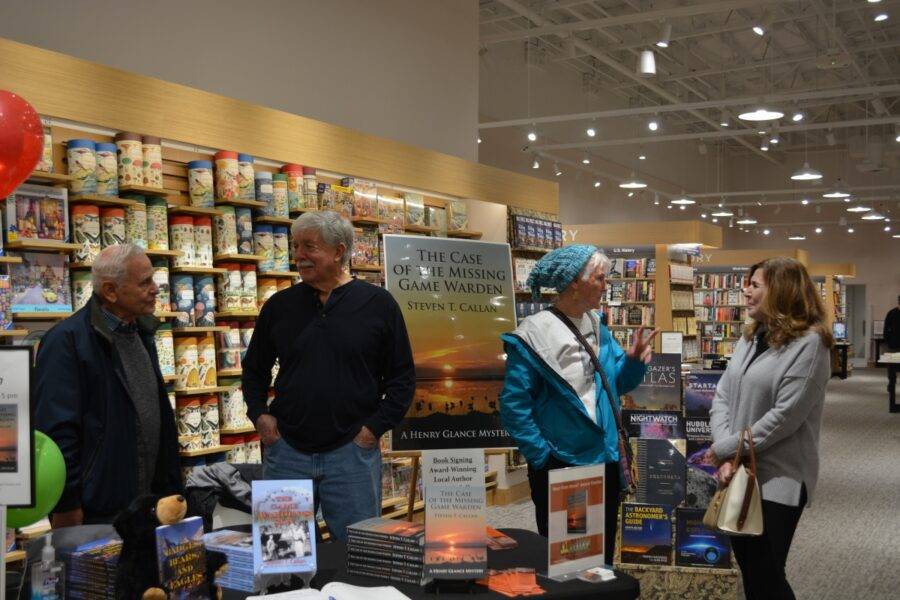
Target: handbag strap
751, 478
624, 448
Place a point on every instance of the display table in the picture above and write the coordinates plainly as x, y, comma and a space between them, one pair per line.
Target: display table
532, 552
892, 361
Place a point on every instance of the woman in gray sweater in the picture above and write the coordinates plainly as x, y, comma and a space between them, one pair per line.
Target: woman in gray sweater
775, 384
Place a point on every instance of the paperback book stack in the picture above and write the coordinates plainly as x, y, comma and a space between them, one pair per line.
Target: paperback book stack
238, 548
387, 549
91, 569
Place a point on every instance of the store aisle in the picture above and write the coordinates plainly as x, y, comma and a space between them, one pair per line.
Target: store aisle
848, 543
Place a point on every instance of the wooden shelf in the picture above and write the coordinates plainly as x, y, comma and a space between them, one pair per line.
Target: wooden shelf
300, 211
229, 372
143, 189
236, 314
238, 431
370, 268
163, 253
367, 221
7, 333
464, 234
628, 326
254, 258
283, 274
42, 245
203, 452
542, 293
612, 279
627, 302
15, 556
54, 179
100, 200
202, 391
532, 250
10, 260
197, 211
274, 220
169, 378
199, 270
683, 309
690, 283
192, 330
419, 229
243, 203
166, 314
40, 316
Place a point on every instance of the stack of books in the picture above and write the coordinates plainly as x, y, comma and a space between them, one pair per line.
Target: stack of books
91, 569
238, 548
387, 549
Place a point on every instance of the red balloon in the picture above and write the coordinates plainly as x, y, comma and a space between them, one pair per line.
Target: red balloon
21, 141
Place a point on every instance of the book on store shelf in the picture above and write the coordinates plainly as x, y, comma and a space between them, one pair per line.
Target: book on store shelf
366, 250
660, 473
181, 559
40, 283
390, 212
364, 196
657, 424
700, 478
646, 534
698, 546
414, 208
457, 215
436, 217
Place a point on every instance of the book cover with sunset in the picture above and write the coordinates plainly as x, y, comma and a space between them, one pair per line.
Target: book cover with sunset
9, 438
457, 299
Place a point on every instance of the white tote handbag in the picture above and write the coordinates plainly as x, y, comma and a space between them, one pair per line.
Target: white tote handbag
736, 509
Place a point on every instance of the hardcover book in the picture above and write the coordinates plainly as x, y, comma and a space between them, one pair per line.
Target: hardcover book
698, 546
661, 388
701, 472
284, 537
699, 391
646, 534
181, 558
660, 471
366, 251
415, 209
658, 424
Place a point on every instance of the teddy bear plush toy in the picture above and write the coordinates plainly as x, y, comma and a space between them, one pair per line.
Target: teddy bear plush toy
137, 576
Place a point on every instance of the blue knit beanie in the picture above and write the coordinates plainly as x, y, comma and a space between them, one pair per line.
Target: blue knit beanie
558, 268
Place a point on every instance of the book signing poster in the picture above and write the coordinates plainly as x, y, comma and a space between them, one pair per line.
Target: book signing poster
457, 298
576, 520
455, 523
16, 438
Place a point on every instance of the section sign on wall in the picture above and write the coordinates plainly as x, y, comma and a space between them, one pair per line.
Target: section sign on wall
457, 298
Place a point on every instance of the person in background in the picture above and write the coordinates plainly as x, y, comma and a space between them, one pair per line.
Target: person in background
775, 384
892, 340
345, 375
553, 402
100, 395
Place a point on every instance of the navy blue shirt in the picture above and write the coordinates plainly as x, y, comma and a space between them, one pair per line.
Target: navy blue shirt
341, 366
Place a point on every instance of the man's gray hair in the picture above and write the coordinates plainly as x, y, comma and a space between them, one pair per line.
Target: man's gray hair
112, 264
597, 259
333, 228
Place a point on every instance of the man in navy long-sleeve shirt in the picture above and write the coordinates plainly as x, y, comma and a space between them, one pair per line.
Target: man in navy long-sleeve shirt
345, 375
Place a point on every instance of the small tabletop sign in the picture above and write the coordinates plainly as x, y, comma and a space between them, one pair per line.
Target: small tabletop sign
16, 436
576, 522
455, 541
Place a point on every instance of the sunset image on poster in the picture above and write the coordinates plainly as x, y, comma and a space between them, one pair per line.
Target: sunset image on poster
457, 298
9, 437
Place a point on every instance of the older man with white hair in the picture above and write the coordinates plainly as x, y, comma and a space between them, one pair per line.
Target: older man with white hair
100, 395
345, 375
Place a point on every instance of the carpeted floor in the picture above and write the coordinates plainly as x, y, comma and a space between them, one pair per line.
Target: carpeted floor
847, 545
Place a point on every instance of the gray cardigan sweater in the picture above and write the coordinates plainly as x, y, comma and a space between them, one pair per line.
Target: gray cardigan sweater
780, 396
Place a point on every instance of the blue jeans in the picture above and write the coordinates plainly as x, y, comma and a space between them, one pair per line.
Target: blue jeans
346, 480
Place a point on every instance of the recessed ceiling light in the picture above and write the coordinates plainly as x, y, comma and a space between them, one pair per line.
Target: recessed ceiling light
532, 136
850, 230
479, 139
653, 124
766, 232
682, 207
761, 113
797, 116
758, 30
887, 227
591, 132
633, 183
818, 230
642, 157
586, 160
702, 215
804, 202
597, 183
715, 220
631, 194
806, 173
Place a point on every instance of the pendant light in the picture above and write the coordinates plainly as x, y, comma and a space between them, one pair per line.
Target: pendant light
797, 237
665, 35
683, 199
806, 173
859, 208
632, 183
838, 191
873, 216
746, 220
760, 113
722, 212
647, 64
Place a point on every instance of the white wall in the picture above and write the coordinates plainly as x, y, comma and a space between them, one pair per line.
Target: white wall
401, 69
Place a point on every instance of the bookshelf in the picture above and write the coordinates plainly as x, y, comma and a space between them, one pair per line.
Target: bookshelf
831, 278
531, 234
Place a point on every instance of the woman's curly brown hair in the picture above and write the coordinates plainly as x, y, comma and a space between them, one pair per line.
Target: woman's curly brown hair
792, 304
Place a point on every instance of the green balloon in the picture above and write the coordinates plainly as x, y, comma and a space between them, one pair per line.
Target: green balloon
49, 480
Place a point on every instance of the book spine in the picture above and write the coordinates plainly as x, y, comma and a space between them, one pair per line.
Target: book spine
385, 548
393, 559
400, 576
395, 540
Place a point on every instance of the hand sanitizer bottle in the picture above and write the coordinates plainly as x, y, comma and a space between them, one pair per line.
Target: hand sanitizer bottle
47, 576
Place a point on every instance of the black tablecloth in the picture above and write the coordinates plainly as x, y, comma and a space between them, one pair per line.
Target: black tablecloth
532, 552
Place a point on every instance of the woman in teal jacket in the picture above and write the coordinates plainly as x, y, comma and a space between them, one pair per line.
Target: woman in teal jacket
553, 402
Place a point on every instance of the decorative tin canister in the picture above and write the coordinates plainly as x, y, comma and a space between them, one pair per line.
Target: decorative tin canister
136, 221
228, 346
130, 154
279, 202
86, 231
112, 226
187, 372
161, 279
248, 287
243, 218
107, 169
157, 224
280, 248
82, 158
200, 183
183, 299
189, 422
151, 149
203, 242
247, 328
204, 301
225, 235
209, 413
265, 289
246, 189
226, 176
81, 288
263, 245
262, 182
294, 186
310, 186
206, 360
229, 287
165, 349
181, 238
